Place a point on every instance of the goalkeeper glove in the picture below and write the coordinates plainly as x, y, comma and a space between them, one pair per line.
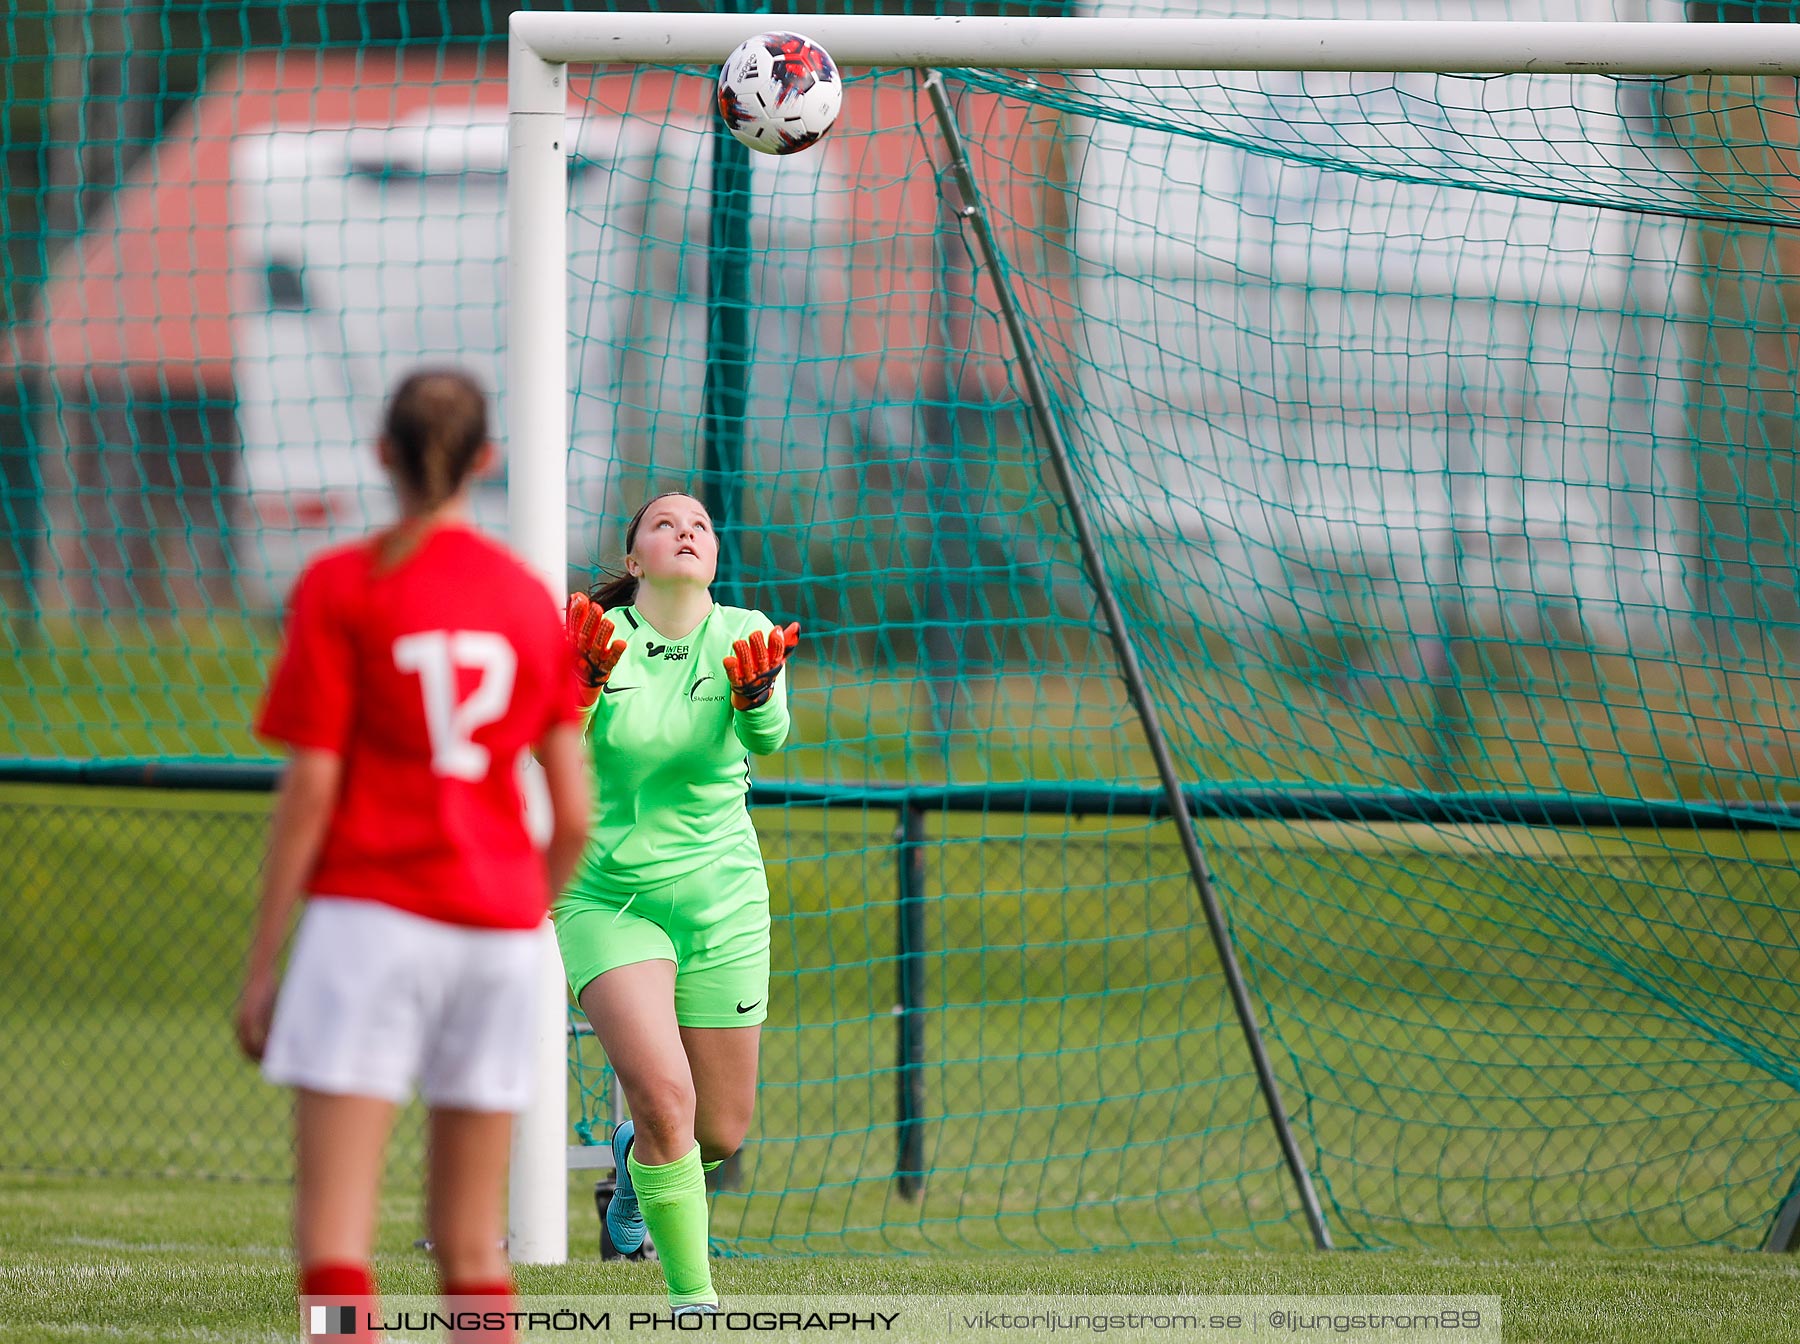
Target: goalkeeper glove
596, 652
757, 662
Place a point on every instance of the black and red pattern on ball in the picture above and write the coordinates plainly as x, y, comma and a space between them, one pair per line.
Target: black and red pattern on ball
731, 108
792, 143
798, 64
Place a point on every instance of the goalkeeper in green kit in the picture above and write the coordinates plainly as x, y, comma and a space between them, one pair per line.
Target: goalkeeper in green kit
664, 929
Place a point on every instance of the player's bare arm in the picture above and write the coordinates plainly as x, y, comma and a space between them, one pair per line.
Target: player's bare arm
565, 765
309, 789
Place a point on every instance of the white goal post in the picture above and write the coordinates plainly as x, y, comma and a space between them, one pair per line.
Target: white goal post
542, 45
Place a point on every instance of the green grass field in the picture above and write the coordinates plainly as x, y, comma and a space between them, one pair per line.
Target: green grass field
146, 1261
1328, 707
1546, 1064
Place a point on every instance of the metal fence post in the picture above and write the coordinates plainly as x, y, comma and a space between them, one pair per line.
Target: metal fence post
909, 1011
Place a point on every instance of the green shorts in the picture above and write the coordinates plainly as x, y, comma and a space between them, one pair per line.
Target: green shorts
713, 924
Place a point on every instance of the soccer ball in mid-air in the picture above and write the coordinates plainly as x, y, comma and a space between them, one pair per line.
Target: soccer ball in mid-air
779, 92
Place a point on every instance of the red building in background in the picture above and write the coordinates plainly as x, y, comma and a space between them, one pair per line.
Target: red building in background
138, 428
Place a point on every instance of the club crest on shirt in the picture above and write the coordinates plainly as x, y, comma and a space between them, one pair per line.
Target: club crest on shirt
673, 653
713, 693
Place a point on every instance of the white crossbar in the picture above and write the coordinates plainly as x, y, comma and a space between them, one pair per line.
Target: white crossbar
1182, 44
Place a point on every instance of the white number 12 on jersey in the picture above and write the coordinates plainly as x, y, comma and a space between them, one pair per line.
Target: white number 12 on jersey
436, 655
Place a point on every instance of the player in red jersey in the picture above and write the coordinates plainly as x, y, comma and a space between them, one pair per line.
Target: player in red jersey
420, 664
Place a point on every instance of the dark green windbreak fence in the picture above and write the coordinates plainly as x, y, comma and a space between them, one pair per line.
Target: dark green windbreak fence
1438, 435
1488, 1033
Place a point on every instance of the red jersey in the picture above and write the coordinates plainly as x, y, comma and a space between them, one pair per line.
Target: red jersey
429, 679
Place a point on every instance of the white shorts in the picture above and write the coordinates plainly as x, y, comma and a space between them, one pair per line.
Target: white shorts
376, 1000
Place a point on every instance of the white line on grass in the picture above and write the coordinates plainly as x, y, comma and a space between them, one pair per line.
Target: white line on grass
68, 1271
168, 1247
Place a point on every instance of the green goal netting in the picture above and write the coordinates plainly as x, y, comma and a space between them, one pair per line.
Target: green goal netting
1438, 436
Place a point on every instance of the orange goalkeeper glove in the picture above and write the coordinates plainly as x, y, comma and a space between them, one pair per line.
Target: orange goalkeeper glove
754, 663
597, 653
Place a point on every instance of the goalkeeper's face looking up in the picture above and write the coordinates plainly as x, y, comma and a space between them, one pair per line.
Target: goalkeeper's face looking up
434, 438
670, 545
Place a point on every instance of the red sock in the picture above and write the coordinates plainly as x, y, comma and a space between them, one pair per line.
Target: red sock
496, 1295
339, 1285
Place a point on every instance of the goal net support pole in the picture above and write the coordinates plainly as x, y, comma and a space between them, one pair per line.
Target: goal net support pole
542, 45
1037, 393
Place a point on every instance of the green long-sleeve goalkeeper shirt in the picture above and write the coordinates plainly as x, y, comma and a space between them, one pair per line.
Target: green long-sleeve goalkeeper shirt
671, 756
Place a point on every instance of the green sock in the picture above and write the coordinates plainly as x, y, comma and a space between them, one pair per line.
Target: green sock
673, 1198
710, 1167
